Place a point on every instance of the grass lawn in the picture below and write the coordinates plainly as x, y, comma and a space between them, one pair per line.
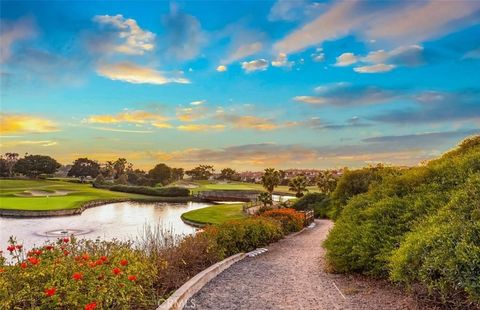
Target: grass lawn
81, 193
216, 214
213, 185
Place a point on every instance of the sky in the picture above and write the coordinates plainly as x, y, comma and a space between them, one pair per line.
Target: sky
242, 84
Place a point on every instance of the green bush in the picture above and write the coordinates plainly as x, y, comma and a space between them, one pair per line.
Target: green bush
416, 226
318, 202
152, 191
444, 251
244, 235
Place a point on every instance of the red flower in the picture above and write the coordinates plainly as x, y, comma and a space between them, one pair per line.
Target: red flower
23, 265
132, 278
37, 252
92, 264
103, 258
124, 262
50, 291
66, 253
99, 262
19, 247
77, 276
49, 247
66, 240
116, 271
91, 306
2, 270
11, 248
85, 256
33, 260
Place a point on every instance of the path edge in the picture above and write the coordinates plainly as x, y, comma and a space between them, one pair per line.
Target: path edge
178, 300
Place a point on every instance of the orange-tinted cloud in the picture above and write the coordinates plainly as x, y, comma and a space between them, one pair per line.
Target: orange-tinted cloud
22, 123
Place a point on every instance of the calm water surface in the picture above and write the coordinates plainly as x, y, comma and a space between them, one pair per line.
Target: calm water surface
123, 220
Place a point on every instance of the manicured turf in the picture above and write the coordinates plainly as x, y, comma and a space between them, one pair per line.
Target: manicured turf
81, 194
213, 185
216, 214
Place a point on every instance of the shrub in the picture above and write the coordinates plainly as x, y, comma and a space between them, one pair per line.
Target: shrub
419, 226
444, 251
99, 180
176, 265
71, 274
290, 219
318, 202
121, 180
244, 235
152, 191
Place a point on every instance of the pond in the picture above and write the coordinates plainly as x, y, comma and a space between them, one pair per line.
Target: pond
123, 220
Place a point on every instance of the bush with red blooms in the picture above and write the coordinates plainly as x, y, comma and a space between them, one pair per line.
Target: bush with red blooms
290, 219
76, 274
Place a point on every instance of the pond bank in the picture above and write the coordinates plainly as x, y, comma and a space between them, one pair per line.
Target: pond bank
90, 204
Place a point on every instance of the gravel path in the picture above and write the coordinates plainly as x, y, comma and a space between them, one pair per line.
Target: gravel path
291, 276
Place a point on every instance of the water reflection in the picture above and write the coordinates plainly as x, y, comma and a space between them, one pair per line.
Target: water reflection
123, 220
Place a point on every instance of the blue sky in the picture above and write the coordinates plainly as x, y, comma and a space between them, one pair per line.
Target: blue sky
243, 84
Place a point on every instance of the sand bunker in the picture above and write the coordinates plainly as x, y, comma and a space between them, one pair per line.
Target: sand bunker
39, 193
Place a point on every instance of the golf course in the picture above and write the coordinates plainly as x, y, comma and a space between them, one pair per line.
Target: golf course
43, 195
217, 214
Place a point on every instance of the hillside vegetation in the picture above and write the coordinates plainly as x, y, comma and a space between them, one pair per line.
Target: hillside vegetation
419, 226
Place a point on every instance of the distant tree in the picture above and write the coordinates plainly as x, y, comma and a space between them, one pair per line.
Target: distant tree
202, 172
121, 166
326, 182
84, 167
134, 176
270, 179
177, 174
107, 170
298, 185
99, 180
229, 174
161, 173
11, 159
283, 177
3, 168
34, 165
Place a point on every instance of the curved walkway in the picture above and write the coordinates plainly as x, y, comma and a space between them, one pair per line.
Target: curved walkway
291, 276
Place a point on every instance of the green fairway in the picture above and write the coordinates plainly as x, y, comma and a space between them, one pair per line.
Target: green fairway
216, 214
80, 193
215, 185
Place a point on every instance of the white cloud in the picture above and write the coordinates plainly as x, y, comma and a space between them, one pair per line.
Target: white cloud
346, 59
221, 68
132, 73
130, 39
318, 55
198, 102
243, 51
282, 61
392, 23
255, 65
374, 68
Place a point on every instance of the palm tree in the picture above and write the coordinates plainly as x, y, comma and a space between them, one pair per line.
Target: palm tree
298, 185
326, 182
270, 179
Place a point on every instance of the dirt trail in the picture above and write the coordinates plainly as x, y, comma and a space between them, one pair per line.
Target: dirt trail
291, 276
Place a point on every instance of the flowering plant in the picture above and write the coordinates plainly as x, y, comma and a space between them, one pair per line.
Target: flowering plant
76, 274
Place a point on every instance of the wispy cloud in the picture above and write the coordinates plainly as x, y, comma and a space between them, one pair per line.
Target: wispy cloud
435, 106
135, 117
121, 130
252, 122
201, 127
184, 37
344, 94
391, 22
374, 68
346, 59
12, 32
23, 123
132, 73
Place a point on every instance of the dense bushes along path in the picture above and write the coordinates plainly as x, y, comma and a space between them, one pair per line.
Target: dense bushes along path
291, 276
